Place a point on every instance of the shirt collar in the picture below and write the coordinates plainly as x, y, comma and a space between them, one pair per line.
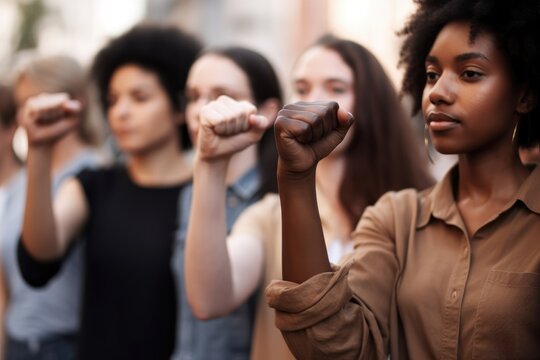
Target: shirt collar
248, 185
529, 192
439, 201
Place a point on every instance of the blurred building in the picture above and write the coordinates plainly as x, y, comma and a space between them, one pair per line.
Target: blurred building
282, 29
279, 29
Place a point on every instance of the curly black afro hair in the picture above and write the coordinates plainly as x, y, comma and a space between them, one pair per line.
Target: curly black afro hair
516, 26
164, 50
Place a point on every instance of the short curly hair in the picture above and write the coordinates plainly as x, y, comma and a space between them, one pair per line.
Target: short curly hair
165, 50
515, 25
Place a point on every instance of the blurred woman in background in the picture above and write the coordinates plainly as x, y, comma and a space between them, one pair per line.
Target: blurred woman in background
43, 323
248, 77
10, 172
380, 154
127, 213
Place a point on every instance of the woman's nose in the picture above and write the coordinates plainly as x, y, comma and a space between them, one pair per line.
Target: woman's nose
442, 92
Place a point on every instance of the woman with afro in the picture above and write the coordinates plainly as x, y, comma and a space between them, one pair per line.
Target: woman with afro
128, 213
445, 273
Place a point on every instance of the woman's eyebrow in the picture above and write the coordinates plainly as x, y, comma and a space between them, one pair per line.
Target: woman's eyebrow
471, 56
430, 59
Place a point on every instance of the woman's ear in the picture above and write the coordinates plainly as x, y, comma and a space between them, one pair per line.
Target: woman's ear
270, 108
527, 101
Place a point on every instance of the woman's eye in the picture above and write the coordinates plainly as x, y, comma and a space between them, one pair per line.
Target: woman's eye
111, 100
301, 91
432, 76
191, 97
471, 74
339, 90
140, 97
216, 95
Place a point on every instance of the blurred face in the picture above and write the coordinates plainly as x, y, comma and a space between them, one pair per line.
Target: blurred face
321, 74
209, 77
469, 100
140, 114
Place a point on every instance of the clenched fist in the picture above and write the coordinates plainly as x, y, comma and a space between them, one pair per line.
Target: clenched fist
228, 126
49, 117
306, 132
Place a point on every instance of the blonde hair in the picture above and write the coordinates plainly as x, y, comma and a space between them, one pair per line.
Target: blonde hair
60, 73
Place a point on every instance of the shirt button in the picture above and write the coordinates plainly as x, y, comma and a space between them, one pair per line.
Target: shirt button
454, 295
466, 251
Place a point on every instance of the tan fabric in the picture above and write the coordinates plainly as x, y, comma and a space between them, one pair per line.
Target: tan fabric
421, 289
262, 221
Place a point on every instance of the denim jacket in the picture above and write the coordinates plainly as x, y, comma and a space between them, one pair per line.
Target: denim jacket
227, 337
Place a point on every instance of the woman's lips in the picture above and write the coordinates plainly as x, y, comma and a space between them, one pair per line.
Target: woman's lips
122, 131
441, 122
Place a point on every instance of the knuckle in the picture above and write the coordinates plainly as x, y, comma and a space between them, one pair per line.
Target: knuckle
291, 106
280, 122
247, 105
332, 105
313, 117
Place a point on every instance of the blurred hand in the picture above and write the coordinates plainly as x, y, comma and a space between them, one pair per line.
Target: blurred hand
306, 132
49, 117
228, 126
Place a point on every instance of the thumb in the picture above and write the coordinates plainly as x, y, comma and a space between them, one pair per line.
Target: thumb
259, 122
344, 118
72, 107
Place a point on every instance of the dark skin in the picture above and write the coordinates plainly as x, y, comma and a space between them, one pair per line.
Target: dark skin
305, 134
471, 84
471, 106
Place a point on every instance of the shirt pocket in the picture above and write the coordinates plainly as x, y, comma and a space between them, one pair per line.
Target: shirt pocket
507, 324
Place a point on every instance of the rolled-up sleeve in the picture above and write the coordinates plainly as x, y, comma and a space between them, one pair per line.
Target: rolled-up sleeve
36, 273
321, 319
345, 314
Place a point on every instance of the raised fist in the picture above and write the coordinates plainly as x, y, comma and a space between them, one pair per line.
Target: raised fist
228, 126
49, 117
306, 132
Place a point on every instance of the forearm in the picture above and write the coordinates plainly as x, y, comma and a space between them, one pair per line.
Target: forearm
3, 304
39, 228
303, 251
207, 263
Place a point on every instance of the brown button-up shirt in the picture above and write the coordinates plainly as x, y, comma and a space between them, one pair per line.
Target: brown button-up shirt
418, 287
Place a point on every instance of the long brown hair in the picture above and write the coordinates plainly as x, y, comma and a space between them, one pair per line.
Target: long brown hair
384, 153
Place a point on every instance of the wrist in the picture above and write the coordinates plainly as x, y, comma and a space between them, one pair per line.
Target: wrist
210, 160
39, 159
41, 152
286, 175
214, 167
